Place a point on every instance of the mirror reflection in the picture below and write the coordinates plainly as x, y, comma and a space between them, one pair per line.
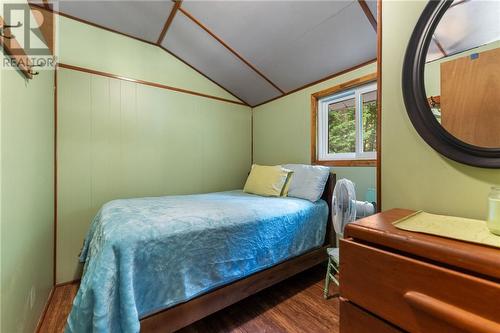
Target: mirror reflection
462, 72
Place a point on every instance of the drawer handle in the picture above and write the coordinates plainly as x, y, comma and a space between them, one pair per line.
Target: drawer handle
451, 314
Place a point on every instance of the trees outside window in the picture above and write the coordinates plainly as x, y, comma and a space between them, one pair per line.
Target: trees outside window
347, 124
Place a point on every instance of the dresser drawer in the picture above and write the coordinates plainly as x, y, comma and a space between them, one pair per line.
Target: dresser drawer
355, 320
415, 295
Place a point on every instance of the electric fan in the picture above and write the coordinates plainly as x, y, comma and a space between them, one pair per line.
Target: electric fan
344, 209
343, 212
343, 206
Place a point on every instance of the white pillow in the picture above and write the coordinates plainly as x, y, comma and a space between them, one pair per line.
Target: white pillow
308, 181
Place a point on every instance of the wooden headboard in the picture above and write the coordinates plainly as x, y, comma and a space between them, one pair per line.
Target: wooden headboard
327, 196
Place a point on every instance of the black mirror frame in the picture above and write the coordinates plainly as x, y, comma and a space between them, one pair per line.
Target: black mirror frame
415, 97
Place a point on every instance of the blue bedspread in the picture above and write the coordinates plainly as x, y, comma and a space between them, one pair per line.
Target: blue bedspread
144, 255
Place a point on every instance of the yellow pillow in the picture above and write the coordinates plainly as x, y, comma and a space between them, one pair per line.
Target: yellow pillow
267, 180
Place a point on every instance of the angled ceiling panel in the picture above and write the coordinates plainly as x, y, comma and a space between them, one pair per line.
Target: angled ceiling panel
191, 43
289, 43
338, 43
468, 25
141, 19
257, 28
292, 42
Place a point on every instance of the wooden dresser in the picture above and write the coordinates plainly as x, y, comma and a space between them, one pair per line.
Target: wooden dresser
395, 281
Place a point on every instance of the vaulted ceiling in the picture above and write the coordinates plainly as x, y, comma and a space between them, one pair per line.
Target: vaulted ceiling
257, 50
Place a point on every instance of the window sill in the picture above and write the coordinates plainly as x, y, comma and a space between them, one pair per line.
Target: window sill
348, 163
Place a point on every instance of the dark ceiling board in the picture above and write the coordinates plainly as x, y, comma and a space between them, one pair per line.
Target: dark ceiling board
440, 46
141, 40
202, 74
93, 24
368, 14
201, 25
331, 76
170, 18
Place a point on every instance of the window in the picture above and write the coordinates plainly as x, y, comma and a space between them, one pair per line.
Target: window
347, 124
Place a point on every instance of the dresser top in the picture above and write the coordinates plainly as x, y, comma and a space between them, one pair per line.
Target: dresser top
379, 230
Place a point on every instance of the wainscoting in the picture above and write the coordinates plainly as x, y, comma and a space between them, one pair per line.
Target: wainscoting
120, 139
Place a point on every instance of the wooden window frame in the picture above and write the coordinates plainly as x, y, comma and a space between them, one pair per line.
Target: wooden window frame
314, 122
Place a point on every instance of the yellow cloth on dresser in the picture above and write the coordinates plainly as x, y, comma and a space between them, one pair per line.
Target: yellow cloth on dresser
460, 228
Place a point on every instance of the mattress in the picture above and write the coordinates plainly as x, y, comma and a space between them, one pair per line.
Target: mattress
147, 254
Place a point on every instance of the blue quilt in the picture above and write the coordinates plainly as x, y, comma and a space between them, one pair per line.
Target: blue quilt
144, 255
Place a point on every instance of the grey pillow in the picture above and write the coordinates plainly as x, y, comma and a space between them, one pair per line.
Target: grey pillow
308, 181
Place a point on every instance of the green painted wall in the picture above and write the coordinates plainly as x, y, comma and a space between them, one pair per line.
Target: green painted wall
413, 174
282, 131
119, 139
27, 134
87, 46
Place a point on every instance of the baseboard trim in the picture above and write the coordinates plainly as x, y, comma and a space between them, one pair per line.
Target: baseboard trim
62, 284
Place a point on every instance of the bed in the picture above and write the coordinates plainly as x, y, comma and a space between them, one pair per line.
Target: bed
159, 264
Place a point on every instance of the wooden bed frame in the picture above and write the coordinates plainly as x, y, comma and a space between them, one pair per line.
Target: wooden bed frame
181, 315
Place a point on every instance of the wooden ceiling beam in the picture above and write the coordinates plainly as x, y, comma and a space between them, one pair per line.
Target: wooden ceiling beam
439, 46
220, 41
147, 83
331, 76
90, 23
175, 8
230, 49
368, 14
202, 74
456, 3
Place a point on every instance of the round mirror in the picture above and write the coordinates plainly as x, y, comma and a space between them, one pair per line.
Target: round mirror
462, 72
451, 80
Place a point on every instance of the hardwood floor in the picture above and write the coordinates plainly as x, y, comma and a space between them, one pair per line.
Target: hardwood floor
294, 305
59, 308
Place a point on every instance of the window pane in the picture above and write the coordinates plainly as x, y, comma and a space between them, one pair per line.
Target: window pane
369, 115
342, 127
